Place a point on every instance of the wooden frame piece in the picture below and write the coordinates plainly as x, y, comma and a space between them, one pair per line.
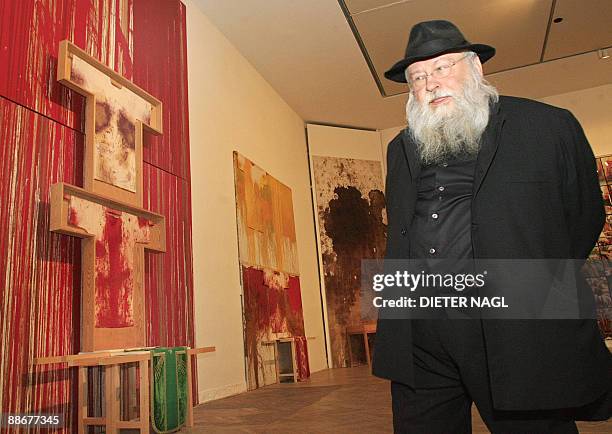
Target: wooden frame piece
98, 338
191, 353
201, 350
293, 374
70, 358
274, 359
363, 330
111, 362
67, 52
61, 192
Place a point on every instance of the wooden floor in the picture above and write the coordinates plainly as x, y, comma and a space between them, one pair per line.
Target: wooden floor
348, 400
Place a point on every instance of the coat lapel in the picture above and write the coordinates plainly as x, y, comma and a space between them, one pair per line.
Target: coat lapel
411, 155
488, 147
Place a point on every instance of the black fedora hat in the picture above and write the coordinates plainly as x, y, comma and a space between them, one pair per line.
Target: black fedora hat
432, 38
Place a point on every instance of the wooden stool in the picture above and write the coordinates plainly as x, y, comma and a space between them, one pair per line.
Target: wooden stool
292, 371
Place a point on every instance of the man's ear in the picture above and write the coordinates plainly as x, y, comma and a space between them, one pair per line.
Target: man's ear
478, 65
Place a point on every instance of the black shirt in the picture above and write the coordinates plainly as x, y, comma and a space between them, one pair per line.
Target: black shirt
441, 227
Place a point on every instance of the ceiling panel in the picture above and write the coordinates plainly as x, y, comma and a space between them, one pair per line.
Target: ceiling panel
564, 75
385, 31
357, 6
586, 26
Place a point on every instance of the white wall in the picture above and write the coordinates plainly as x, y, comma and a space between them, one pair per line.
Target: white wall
593, 109
385, 137
231, 107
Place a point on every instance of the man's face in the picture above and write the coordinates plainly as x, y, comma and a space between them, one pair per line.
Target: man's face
441, 92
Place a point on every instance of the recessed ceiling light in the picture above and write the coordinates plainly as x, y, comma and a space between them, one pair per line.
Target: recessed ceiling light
603, 53
558, 20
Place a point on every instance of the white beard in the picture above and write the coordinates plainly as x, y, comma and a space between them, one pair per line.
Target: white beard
451, 131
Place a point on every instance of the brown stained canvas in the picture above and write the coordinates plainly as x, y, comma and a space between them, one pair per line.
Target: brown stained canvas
352, 221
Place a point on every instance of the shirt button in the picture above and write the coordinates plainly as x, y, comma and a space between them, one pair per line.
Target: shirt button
441, 188
434, 216
432, 251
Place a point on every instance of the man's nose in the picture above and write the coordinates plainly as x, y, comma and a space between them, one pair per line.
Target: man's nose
431, 83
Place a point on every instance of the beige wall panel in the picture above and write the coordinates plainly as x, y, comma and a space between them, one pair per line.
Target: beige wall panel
386, 136
343, 142
593, 109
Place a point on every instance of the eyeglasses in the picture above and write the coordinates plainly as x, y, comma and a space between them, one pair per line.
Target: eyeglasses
418, 80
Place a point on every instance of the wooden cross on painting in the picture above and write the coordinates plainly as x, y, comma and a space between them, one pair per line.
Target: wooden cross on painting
108, 212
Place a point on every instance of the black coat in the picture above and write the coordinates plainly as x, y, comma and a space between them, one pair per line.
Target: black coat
535, 195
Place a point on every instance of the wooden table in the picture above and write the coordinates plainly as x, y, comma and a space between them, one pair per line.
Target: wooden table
112, 361
365, 330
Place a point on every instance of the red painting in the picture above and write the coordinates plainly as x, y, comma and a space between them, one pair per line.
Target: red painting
116, 234
169, 277
40, 270
273, 310
267, 249
41, 131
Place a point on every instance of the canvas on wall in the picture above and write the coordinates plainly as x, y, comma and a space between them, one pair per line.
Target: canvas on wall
272, 302
112, 294
116, 113
116, 235
352, 223
41, 127
598, 268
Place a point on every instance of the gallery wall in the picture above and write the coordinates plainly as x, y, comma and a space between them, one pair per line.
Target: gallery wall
232, 108
386, 136
593, 108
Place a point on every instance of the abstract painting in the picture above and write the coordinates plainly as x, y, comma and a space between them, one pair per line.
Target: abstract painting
112, 263
266, 229
352, 221
42, 132
598, 268
116, 234
272, 304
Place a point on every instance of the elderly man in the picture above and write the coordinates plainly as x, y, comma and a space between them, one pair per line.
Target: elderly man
478, 175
